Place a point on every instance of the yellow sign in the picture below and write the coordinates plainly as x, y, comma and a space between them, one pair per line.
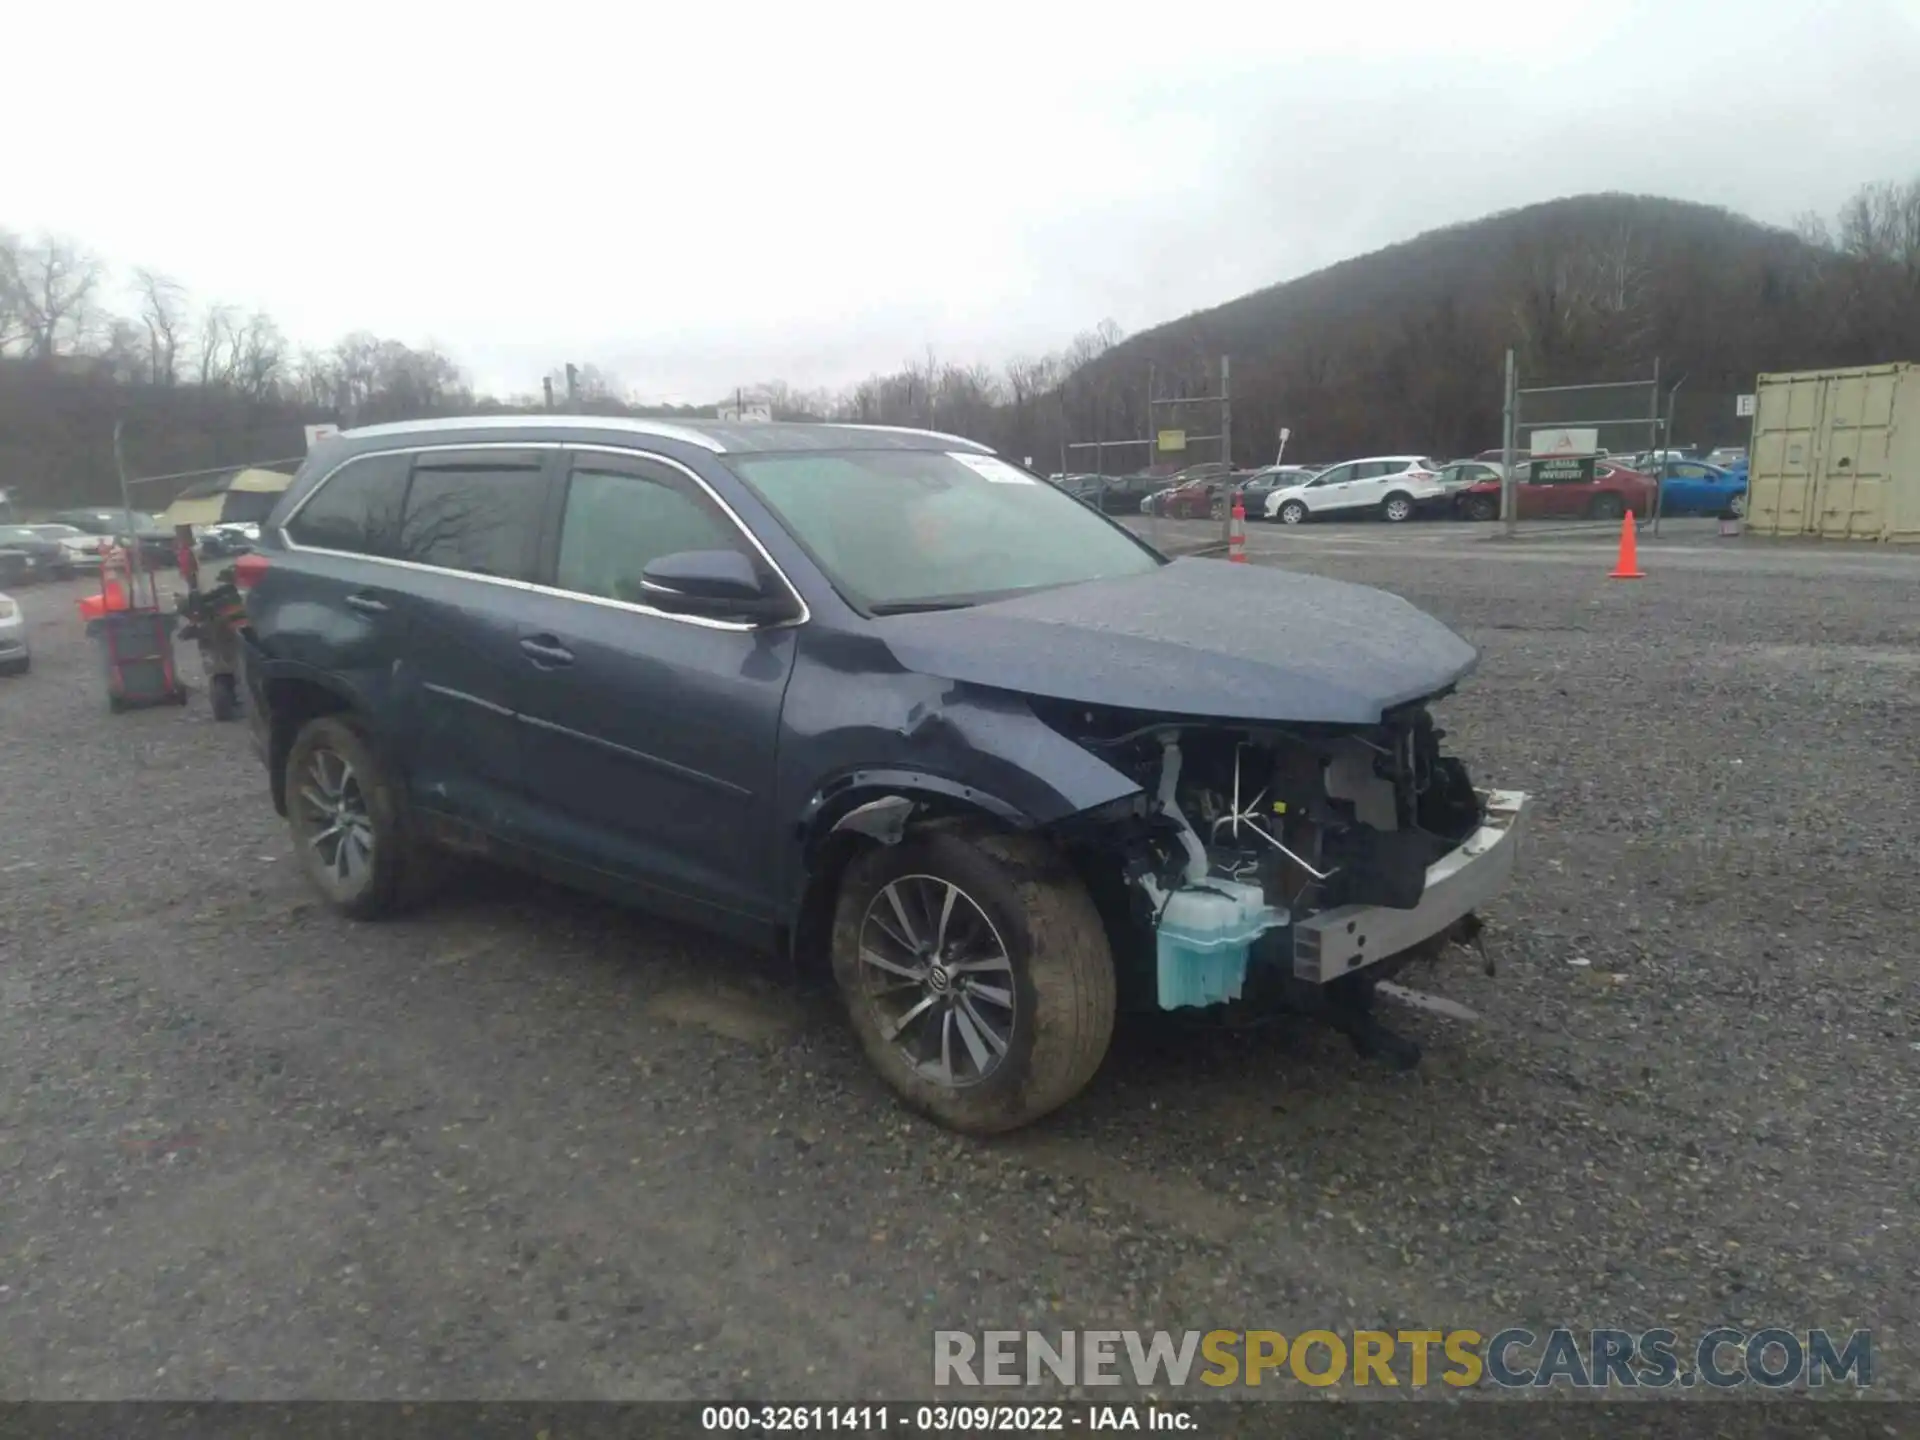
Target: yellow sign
1173, 440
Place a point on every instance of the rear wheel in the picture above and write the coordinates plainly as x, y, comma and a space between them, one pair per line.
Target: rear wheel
351, 827
1397, 508
976, 973
1738, 505
1607, 507
1293, 513
1218, 510
1482, 507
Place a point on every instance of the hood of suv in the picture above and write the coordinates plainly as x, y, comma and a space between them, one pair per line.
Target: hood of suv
1178, 641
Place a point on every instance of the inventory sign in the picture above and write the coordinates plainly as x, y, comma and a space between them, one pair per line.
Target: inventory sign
1577, 470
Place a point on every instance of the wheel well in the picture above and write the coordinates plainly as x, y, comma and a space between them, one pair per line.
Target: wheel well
828, 854
1393, 495
291, 704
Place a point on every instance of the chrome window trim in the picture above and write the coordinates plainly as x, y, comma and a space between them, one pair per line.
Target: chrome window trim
565, 447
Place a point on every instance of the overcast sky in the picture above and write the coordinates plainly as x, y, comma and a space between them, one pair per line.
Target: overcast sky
707, 196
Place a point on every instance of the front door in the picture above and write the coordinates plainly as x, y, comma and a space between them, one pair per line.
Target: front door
1328, 493
650, 737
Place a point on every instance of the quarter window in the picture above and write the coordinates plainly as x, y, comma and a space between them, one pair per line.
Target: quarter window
356, 509
482, 519
617, 524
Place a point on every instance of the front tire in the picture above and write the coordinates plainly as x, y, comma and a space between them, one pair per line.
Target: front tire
1482, 507
352, 831
976, 974
1293, 513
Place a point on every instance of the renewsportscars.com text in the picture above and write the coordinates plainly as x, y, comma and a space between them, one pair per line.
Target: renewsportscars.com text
1514, 1358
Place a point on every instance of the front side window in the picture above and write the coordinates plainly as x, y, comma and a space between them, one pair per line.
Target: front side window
617, 524
356, 509
1337, 475
922, 529
483, 519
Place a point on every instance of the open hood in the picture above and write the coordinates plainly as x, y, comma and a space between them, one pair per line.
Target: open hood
1200, 638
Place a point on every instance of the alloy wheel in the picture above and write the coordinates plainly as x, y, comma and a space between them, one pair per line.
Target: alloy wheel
939, 978
334, 809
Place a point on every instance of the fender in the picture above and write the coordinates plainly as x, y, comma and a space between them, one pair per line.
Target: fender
837, 802
273, 727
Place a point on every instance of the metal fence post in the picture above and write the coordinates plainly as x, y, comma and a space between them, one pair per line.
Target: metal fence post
1509, 500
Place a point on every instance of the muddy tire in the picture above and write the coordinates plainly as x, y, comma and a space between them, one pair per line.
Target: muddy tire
352, 832
976, 974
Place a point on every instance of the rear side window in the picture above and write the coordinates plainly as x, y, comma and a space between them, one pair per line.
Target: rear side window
356, 509
617, 524
483, 519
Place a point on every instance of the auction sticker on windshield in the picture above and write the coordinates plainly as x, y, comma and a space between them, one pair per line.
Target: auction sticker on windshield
993, 468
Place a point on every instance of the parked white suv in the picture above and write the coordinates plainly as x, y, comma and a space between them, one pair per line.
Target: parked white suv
1394, 487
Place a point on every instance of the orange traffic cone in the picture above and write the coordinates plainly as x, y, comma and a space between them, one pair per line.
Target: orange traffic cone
1628, 566
1237, 534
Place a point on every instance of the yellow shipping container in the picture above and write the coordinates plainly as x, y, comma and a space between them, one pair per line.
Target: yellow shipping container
1836, 453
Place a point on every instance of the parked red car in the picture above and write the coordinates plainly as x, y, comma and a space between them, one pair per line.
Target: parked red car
1193, 500
1613, 491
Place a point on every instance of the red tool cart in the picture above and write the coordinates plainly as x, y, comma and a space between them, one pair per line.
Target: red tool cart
135, 638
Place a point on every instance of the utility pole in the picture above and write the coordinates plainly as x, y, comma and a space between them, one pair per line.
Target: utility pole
134, 560
573, 386
1226, 446
1666, 452
546, 384
1509, 500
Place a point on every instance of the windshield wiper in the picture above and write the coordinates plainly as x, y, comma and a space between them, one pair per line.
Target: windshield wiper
918, 607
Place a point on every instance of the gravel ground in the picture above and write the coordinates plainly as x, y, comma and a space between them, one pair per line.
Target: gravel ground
528, 1145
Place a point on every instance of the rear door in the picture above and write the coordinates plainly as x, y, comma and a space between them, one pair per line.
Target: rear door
469, 538
335, 608
651, 736
1372, 479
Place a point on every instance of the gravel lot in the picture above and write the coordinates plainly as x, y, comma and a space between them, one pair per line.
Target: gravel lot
528, 1145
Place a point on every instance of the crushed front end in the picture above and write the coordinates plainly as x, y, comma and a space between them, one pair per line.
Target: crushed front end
1297, 864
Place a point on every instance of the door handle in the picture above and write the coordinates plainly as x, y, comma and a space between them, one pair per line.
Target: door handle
367, 605
546, 650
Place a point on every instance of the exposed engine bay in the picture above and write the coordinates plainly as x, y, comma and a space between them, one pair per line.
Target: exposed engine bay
1271, 857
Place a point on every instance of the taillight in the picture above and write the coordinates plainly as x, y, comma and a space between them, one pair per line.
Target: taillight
248, 570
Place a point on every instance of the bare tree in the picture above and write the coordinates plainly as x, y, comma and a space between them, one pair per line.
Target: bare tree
215, 346
163, 311
54, 282
13, 314
259, 357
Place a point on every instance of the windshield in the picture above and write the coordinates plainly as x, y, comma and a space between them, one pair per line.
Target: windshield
17, 532
921, 529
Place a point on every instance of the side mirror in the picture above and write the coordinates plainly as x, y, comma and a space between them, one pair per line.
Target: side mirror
718, 584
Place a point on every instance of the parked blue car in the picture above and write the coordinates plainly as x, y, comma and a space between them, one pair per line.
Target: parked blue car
1693, 487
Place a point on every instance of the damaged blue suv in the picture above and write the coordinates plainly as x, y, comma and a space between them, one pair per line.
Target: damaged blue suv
879, 700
